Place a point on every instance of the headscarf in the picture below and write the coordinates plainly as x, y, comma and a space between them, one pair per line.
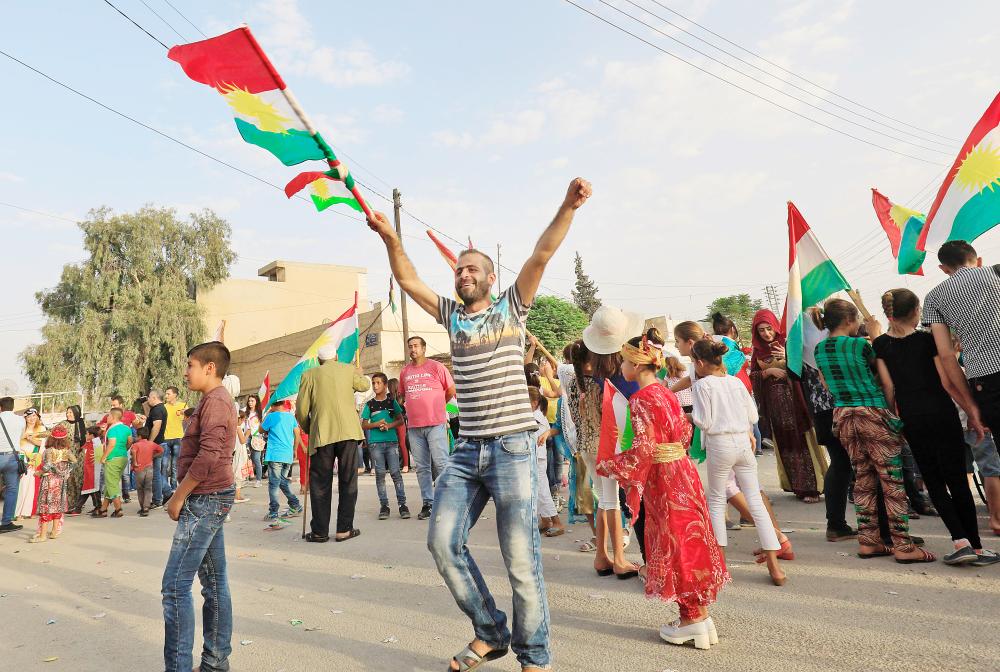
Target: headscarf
646, 353
761, 348
79, 426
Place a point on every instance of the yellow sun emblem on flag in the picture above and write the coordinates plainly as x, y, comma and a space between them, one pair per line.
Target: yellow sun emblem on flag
253, 106
320, 188
980, 169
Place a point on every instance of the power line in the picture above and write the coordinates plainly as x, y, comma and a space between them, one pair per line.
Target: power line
168, 24
780, 79
134, 24
748, 91
38, 212
158, 131
804, 79
169, 4
765, 84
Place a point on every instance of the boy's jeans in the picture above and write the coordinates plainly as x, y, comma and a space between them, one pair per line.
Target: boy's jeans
8, 472
157, 480
429, 453
503, 468
385, 457
277, 478
198, 548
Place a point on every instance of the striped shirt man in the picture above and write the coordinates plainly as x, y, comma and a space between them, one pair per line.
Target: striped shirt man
487, 357
968, 302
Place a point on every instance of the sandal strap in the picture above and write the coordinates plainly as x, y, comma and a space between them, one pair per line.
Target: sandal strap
463, 659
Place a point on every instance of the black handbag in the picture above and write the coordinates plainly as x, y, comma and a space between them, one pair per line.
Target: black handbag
22, 466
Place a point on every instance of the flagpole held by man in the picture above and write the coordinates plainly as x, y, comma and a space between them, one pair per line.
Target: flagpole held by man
493, 455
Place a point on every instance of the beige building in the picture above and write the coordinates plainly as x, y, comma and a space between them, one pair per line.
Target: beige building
292, 297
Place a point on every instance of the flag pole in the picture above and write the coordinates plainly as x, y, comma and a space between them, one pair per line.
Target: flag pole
293, 102
856, 298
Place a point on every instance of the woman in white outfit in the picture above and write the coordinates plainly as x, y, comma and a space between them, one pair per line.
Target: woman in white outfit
725, 412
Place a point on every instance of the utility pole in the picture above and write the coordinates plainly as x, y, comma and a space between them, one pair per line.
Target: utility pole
397, 206
498, 267
772, 298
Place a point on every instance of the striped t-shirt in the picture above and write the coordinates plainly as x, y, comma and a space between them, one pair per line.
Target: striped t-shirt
487, 357
846, 363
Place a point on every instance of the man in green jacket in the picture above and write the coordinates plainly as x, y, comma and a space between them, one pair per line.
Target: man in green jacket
325, 411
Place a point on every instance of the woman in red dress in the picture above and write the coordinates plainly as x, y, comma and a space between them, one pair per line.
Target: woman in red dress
684, 563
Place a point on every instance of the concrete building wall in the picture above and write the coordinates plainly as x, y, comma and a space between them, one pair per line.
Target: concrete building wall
290, 297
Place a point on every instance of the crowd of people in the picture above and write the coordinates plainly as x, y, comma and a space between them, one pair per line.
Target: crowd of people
889, 421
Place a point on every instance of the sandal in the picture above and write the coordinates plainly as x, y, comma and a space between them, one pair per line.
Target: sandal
926, 556
555, 532
470, 660
99, 514
881, 552
587, 547
353, 533
118, 514
315, 538
784, 553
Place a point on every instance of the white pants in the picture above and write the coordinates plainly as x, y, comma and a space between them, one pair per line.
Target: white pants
546, 507
607, 488
727, 453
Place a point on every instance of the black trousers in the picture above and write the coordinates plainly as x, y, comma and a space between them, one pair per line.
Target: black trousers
986, 392
345, 453
938, 445
838, 477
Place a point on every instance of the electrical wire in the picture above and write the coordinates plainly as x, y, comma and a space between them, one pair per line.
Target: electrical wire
748, 91
135, 24
765, 84
169, 4
168, 24
804, 79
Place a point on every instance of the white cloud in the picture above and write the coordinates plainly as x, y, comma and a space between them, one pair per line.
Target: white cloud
387, 114
10, 177
288, 38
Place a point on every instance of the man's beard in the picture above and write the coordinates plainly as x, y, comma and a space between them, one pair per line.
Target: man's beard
472, 293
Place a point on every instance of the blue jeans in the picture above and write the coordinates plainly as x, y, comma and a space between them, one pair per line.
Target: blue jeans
429, 455
157, 479
503, 468
385, 457
8, 471
171, 451
256, 457
198, 547
277, 479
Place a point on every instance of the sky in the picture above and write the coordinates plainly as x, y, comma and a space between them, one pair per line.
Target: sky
481, 113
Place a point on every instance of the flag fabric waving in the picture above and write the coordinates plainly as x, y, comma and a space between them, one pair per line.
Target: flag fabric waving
903, 227
343, 332
266, 112
327, 188
968, 203
392, 294
448, 255
812, 277
264, 393
616, 424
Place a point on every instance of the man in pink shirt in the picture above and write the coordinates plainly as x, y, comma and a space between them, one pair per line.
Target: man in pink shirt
426, 385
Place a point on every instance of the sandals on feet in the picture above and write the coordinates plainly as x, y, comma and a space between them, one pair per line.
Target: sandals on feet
555, 532
926, 556
469, 660
879, 552
118, 514
587, 547
315, 538
354, 533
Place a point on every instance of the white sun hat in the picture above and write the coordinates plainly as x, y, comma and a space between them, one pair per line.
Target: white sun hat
610, 328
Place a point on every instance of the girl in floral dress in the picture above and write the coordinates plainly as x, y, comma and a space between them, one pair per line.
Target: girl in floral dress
57, 464
684, 563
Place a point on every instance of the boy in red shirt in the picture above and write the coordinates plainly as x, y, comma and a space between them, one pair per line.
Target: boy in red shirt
143, 451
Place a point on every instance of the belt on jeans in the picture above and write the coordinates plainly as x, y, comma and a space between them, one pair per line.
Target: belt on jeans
668, 452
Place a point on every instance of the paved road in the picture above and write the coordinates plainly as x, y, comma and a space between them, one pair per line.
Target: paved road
378, 604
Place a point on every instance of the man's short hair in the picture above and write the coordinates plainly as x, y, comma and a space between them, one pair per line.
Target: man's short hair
956, 253
143, 432
381, 376
7, 404
155, 393
118, 398
487, 262
212, 352
117, 411
423, 343
173, 388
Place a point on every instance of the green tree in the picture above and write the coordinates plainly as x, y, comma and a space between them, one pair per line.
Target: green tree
585, 291
739, 308
123, 319
556, 322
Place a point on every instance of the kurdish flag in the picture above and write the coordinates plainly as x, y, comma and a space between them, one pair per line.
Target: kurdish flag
968, 203
266, 112
903, 226
342, 332
812, 277
264, 393
447, 254
616, 424
328, 188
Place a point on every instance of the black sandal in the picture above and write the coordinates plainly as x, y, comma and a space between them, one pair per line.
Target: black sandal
354, 533
118, 514
469, 660
317, 539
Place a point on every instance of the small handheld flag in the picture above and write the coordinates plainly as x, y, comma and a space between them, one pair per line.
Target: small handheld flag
903, 227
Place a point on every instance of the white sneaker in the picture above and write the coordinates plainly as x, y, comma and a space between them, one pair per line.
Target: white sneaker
679, 635
256, 484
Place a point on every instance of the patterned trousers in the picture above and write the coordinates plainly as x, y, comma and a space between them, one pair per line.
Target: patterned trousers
874, 446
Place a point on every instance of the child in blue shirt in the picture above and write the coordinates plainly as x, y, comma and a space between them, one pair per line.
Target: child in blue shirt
283, 434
